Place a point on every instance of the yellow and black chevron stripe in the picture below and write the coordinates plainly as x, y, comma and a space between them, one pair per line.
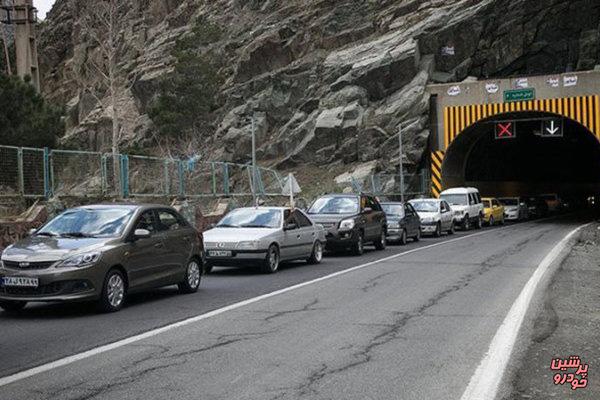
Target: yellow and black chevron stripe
584, 109
437, 157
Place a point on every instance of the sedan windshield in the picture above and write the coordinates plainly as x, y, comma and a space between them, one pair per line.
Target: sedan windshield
335, 205
426, 206
251, 218
88, 222
455, 199
395, 210
510, 202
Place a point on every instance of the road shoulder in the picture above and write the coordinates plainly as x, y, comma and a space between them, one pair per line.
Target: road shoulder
567, 324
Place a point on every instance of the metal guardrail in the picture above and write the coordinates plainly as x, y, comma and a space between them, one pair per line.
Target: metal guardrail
39, 173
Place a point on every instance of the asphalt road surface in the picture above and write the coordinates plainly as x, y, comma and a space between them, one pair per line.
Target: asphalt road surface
413, 327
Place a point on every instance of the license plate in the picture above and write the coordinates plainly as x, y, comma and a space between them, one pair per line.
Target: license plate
219, 253
20, 282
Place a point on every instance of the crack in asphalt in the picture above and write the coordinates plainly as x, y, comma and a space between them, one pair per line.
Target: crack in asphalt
305, 308
392, 331
162, 355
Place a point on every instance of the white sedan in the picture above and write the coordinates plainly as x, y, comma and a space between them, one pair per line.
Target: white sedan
263, 236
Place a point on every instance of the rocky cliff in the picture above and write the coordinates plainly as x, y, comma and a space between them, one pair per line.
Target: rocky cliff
328, 81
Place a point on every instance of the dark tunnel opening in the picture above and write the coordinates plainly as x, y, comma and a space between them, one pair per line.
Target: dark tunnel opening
528, 164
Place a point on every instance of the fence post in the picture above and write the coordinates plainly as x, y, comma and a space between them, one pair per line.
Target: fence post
124, 175
214, 178
103, 175
20, 171
226, 179
181, 174
166, 173
48, 175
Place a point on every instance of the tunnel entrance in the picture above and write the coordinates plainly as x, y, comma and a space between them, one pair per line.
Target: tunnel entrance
527, 164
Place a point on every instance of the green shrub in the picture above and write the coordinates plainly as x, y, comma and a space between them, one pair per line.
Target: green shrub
25, 118
188, 94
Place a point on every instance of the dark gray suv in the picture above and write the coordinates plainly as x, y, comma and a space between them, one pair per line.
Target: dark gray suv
350, 221
102, 253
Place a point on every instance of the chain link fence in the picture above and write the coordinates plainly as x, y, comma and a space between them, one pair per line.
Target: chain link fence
415, 185
29, 172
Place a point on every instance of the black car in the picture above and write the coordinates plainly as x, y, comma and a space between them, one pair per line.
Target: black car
350, 221
403, 222
538, 208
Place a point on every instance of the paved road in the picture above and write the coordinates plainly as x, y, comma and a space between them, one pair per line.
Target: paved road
415, 326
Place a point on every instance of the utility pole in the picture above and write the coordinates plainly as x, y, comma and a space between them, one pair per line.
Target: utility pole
23, 15
400, 162
254, 174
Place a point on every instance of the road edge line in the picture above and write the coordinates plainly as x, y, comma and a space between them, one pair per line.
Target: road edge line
486, 380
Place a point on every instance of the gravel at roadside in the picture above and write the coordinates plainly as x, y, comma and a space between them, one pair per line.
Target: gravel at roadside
568, 324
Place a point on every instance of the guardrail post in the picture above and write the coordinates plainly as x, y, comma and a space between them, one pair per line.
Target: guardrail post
48, 175
124, 175
181, 174
20, 171
226, 179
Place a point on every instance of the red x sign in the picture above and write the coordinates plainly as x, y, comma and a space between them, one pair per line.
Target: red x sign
505, 130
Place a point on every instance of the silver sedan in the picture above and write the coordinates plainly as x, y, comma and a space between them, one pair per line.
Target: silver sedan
263, 236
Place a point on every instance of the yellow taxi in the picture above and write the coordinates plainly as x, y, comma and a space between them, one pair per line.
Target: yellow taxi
493, 211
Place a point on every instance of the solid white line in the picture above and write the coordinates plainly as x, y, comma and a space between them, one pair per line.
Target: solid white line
124, 342
486, 381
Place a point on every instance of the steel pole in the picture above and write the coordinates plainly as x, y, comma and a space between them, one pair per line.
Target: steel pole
255, 199
400, 163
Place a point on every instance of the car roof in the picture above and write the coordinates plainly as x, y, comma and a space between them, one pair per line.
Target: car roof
123, 206
462, 190
429, 199
391, 203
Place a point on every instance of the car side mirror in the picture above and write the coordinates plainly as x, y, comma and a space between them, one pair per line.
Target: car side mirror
367, 209
290, 227
141, 234
31, 231
211, 226
523, 204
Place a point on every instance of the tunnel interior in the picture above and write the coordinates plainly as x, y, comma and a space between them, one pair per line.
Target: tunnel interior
527, 164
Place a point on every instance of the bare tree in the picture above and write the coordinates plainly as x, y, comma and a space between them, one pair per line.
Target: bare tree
103, 23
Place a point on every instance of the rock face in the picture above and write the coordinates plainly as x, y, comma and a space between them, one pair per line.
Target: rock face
328, 82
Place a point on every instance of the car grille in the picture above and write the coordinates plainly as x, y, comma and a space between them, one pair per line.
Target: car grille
27, 266
328, 225
44, 290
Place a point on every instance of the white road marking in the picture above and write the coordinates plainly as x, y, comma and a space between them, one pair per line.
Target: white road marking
157, 331
486, 381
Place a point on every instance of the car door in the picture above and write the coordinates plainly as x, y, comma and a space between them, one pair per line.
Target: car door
144, 258
497, 211
410, 220
307, 234
377, 217
290, 246
446, 215
177, 236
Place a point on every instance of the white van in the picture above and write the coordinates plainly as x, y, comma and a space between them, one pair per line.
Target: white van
467, 206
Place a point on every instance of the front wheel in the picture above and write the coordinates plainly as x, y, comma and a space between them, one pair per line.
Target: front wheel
479, 223
317, 254
452, 229
113, 293
359, 247
271, 262
403, 237
438, 230
11, 306
466, 225
381, 243
193, 275
418, 235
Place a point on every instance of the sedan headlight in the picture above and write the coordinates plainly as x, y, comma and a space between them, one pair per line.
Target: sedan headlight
346, 225
248, 245
394, 225
459, 213
428, 220
80, 261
